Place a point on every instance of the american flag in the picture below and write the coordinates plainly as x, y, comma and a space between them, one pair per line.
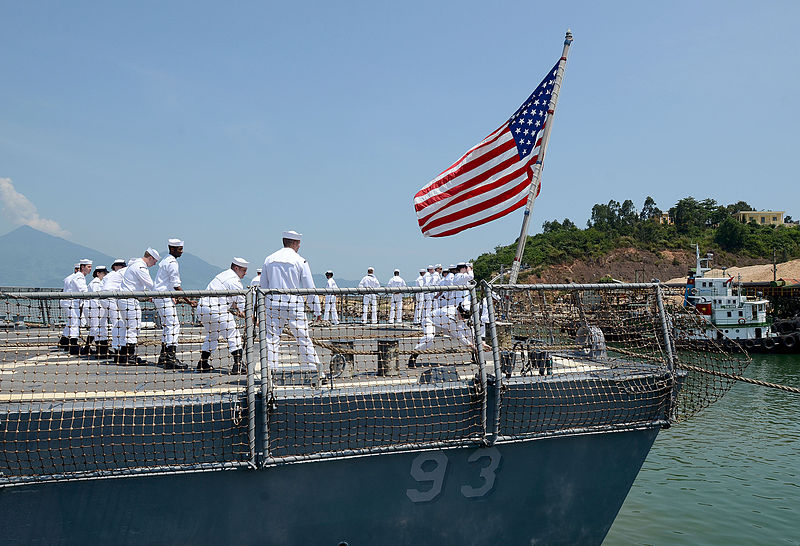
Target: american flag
493, 178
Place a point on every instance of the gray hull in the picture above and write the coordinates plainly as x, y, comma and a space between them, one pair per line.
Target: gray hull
565, 489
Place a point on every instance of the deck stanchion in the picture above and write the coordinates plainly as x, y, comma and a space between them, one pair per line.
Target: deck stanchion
249, 328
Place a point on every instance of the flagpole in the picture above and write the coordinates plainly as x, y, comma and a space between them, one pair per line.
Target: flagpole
537, 168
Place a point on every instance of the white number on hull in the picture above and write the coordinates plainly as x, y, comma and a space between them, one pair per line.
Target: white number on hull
436, 475
487, 472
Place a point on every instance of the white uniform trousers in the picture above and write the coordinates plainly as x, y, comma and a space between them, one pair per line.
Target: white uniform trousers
98, 325
396, 303
131, 314
370, 299
293, 316
330, 310
419, 308
169, 320
455, 329
218, 321
71, 310
116, 323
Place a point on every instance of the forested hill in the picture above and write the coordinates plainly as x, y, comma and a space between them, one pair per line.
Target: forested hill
619, 233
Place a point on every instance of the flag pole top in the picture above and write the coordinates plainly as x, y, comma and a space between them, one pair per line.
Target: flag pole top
568, 37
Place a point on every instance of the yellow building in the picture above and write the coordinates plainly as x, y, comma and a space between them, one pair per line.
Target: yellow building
665, 219
765, 217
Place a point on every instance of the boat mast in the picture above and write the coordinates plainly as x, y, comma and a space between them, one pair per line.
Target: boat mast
537, 168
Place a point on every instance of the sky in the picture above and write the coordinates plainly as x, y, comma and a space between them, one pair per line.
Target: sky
123, 124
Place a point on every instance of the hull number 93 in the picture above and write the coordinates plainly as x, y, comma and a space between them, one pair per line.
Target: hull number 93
431, 468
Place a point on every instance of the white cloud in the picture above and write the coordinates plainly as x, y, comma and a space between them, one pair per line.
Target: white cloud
20, 211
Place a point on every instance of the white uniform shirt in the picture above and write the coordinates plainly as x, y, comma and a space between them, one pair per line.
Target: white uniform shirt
286, 269
369, 281
136, 277
396, 281
95, 285
113, 280
168, 276
332, 283
227, 280
75, 283
256, 281
421, 280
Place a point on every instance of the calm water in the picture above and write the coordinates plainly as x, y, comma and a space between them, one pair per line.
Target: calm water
730, 475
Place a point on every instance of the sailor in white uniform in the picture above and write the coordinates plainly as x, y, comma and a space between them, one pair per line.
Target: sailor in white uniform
112, 283
71, 307
256, 281
419, 298
135, 279
444, 299
370, 281
430, 279
216, 313
450, 321
97, 314
463, 276
396, 300
330, 300
63, 343
168, 278
285, 268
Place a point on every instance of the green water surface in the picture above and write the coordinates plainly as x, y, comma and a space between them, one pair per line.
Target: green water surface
730, 475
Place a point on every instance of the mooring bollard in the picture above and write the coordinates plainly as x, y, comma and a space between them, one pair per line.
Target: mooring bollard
388, 357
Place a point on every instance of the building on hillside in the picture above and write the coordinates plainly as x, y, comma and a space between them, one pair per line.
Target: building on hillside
664, 219
765, 217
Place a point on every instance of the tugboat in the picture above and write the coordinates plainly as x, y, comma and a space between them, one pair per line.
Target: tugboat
731, 318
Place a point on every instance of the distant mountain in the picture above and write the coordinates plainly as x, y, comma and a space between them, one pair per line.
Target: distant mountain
36, 259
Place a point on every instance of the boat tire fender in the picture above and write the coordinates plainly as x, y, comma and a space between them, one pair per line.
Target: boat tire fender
742, 321
769, 344
789, 341
749, 343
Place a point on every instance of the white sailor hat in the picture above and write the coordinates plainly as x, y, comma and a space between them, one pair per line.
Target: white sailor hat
258, 271
452, 267
292, 235
101, 268
461, 264
85, 261
329, 272
370, 268
438, 266
153, 252
422, 270
396, 271
174, 242
241, 262
119, 261
77, 265
430, 267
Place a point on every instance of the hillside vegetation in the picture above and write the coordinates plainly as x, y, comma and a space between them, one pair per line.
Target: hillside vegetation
616, 230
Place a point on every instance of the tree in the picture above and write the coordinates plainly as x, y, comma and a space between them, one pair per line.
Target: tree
688, 214
731, 234
649, 209
738, 207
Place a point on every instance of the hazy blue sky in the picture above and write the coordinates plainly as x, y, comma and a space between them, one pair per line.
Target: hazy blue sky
123, 124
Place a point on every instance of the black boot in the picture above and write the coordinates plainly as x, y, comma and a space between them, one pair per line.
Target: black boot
134, 360
171, 361
121, 356
102, 348
238, 367
162, 356
74, 348
63, 343
203, 365
87, 349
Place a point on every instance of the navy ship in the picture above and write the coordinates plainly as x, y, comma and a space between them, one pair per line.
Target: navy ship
535, 437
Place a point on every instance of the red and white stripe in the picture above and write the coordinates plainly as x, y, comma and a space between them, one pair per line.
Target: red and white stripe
488, 182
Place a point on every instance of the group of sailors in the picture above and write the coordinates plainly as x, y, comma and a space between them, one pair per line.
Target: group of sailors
446, 312
115, 323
